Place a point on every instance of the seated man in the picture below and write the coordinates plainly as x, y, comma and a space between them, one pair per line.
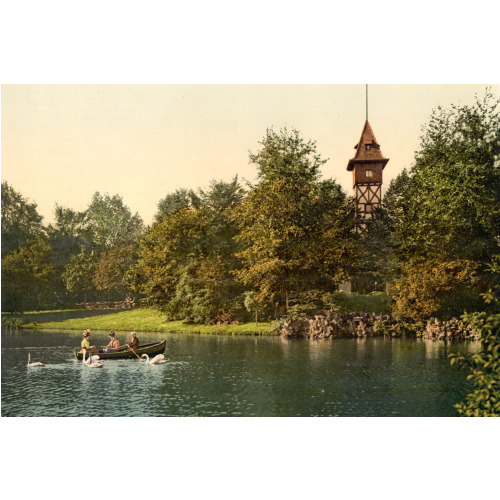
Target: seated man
135, 341
114, 343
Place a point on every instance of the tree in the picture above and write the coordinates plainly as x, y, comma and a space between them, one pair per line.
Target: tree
111, 268
78, 275
449, 211
28, 278
297, 231
173, 202
222, 195
85, 243
392, 203
186, 259
375, 262
435, 288
21, 222
108, 222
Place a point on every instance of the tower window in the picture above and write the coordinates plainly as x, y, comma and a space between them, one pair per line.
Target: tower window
368, 209
369, 173
367, 146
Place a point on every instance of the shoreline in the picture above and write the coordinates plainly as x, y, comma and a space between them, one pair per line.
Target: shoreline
139, 320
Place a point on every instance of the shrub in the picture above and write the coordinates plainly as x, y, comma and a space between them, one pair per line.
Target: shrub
484, 366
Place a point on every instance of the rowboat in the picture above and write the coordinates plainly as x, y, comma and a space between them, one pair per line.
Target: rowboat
126, 353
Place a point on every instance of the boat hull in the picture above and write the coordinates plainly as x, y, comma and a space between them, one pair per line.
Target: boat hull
126, 353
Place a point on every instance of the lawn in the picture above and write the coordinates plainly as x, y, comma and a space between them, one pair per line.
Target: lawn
140, 320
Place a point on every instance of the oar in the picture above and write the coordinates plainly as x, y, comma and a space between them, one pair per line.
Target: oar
134, 353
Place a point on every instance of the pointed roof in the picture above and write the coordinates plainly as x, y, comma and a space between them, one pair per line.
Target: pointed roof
367, 149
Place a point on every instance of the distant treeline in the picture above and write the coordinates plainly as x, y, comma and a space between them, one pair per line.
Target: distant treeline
284, 244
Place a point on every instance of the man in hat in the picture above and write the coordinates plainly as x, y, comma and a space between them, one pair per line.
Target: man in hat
85, 342
114, 343
134, 344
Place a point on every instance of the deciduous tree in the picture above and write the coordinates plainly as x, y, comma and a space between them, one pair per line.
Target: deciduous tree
186, 259
296, 230
28, 278
449, 211
21, 222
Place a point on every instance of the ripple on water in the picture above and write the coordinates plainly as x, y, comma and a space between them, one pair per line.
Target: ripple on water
232, 377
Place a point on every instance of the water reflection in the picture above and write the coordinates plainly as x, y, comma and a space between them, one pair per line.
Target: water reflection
236, 376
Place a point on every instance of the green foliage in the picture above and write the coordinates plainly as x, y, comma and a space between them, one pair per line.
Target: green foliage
376, 261
186, 259
180, 199
296, 232
93, 250
108, 222
27, 278
484, 369
11, 321
447, 219
21, 222
436, 289
222, 195
112, 267
375, 302
301, 310
79, 272
393, 199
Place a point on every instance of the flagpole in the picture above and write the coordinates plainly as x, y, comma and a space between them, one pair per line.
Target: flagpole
366, 102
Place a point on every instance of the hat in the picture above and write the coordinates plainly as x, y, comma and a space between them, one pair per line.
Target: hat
132, 333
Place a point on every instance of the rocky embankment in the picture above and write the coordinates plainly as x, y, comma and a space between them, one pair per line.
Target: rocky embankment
453, 329
334, 326
351, 325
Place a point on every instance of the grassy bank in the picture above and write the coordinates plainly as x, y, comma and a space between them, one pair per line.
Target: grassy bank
140, 320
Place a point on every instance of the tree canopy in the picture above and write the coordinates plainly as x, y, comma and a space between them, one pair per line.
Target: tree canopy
21, 223
186, 259
296, 230
449, 211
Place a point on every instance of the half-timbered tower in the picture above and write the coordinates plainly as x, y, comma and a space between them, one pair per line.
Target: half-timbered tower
366, 167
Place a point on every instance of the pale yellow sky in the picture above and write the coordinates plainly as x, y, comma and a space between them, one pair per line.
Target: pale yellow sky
61, 143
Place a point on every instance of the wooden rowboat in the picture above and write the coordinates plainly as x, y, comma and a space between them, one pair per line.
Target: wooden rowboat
126, 353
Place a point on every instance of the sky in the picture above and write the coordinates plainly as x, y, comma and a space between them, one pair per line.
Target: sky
62, 143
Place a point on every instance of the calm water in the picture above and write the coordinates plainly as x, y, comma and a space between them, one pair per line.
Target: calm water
233, 376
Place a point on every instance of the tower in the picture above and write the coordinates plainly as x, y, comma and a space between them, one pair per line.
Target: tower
366, 167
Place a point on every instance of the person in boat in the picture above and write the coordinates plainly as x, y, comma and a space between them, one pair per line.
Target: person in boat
114, 343
134, 344
86, 344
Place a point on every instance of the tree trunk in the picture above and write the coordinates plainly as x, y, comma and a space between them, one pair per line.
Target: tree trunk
256, 317
286, 301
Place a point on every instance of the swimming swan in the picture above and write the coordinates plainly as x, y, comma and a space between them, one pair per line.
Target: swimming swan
92, 360
158, 359
36, 363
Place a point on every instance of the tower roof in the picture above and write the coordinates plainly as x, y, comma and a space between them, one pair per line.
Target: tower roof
367, 149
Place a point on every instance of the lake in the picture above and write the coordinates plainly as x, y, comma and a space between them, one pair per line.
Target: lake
233, 376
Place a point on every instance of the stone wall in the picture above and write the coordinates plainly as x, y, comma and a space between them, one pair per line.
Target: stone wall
350, 325
334, 325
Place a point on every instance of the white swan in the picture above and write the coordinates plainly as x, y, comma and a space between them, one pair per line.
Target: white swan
157, 360
92, 360
36, 363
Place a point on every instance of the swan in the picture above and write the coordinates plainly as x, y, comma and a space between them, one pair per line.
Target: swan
158, 359
36, 363
92, 360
